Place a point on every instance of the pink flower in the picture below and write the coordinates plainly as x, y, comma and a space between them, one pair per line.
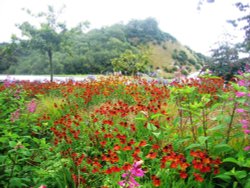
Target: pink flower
247, 148
131, 183
240, 110
32, 106
241, 83
136, 170
43, 186
244, 126
122, 183
15, 115
129, 177
247, 131
244, 122
240, 94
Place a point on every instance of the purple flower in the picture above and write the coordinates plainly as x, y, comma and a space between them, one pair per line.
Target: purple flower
240, 94
32, 106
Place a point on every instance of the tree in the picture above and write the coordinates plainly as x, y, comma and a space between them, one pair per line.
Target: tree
47, 38
130, 62
225, 62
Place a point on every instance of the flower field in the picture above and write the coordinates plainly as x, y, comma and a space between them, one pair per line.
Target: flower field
125, 132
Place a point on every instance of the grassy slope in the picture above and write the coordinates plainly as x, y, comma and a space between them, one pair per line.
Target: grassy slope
161, 56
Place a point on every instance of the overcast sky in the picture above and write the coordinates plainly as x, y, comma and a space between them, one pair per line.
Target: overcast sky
198, 29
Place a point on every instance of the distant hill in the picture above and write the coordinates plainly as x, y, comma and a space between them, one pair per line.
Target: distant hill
168, 56
93, 51
171, 57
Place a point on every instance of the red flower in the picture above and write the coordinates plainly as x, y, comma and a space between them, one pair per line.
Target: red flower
156, 181
183, 175
117, 147
174, 165
127, 148
198, 177
126, 167
155, 146
103, 143
216, 170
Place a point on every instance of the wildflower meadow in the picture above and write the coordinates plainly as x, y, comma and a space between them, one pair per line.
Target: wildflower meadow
126, 132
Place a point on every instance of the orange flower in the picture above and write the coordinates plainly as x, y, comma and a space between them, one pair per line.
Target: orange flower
151, 155
143, 143
117, 147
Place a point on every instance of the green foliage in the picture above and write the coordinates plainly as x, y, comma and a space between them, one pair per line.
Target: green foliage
23, 145
131, 63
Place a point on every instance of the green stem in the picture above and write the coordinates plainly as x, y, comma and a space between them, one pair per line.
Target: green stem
192, 126
230, 125
204, 124
12, 168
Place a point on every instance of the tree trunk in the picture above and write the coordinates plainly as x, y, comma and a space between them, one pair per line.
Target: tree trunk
51, 65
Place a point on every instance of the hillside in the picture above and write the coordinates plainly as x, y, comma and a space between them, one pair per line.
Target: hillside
171, 56
92, 52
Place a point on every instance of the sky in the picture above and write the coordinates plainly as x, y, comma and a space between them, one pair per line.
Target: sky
197, 29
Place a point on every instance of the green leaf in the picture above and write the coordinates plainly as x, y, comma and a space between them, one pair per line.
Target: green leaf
156, 134
193, 146
12, 144
222, 148
227, 119
16, 182
224, 177
215, 106
240, 174
141, 118
2, 158
202, 139
176, 121
156, 116
3, 139
231, 160
218, 127
151, 127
